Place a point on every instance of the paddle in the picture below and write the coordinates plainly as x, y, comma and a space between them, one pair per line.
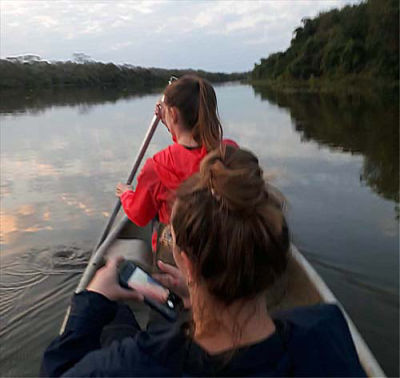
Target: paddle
138, 160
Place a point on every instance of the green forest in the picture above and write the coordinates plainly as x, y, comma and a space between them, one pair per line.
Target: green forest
358, 41
43, 74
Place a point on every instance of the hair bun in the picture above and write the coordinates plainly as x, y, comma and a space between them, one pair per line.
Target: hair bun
232, 181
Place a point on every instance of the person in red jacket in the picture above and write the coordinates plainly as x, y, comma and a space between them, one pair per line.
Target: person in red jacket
190, 113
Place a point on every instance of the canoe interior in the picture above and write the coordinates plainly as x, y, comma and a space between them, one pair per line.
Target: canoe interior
293, 289
134, 243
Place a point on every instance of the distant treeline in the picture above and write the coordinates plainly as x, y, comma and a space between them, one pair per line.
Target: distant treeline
356, 41
42, 74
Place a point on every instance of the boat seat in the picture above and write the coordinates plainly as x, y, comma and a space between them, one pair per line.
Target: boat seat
136, 250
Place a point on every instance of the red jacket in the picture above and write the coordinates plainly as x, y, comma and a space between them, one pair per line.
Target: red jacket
159, 178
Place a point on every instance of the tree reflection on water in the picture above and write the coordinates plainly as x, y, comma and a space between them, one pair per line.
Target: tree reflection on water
37, 101
363, 123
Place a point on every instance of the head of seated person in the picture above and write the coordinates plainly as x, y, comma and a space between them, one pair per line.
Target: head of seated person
190, 112
231, 243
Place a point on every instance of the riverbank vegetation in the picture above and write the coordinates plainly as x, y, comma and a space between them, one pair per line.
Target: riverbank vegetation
358, 43
43, 74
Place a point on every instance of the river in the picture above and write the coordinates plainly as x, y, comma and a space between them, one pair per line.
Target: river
335, 158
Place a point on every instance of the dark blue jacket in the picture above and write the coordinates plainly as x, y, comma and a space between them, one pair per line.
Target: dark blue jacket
309, 341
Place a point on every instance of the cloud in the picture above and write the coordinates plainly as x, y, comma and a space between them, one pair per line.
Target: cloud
31, 168
46, 21
121, 45
23, 219
213, 35
8, 225
26, 209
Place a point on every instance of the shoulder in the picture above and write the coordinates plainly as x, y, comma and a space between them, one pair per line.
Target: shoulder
160, 157
317, 323
166, 152
179, 158
319, 341
310, 317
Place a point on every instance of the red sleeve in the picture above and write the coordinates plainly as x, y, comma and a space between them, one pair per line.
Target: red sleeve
141, 205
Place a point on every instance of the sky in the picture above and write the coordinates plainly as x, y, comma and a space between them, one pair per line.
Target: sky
218, 36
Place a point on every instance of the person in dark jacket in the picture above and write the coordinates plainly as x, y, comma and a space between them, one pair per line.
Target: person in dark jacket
230, 244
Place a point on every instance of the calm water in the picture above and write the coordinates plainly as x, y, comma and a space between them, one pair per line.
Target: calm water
335, 159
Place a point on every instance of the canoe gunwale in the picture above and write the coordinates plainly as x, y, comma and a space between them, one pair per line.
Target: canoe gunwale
367, 359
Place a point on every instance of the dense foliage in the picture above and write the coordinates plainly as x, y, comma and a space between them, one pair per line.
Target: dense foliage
360, 40
42, 74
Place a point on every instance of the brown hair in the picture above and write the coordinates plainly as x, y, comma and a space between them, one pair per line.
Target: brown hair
231, 225
196, 101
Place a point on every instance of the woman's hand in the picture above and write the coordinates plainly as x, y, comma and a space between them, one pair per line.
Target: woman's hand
121, 188
159, 111
173, 279
105, 282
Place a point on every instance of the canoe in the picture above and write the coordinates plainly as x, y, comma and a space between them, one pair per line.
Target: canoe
300, 286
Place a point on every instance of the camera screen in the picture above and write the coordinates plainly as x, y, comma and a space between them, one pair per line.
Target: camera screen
145, 284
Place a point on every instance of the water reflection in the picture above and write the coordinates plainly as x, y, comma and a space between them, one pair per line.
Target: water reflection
360, 124
37, 101
62, 153
34, 293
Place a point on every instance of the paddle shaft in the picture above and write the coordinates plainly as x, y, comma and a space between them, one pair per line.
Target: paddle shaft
138, 160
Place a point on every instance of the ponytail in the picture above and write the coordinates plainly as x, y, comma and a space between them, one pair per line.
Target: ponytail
196, 101
208, 124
